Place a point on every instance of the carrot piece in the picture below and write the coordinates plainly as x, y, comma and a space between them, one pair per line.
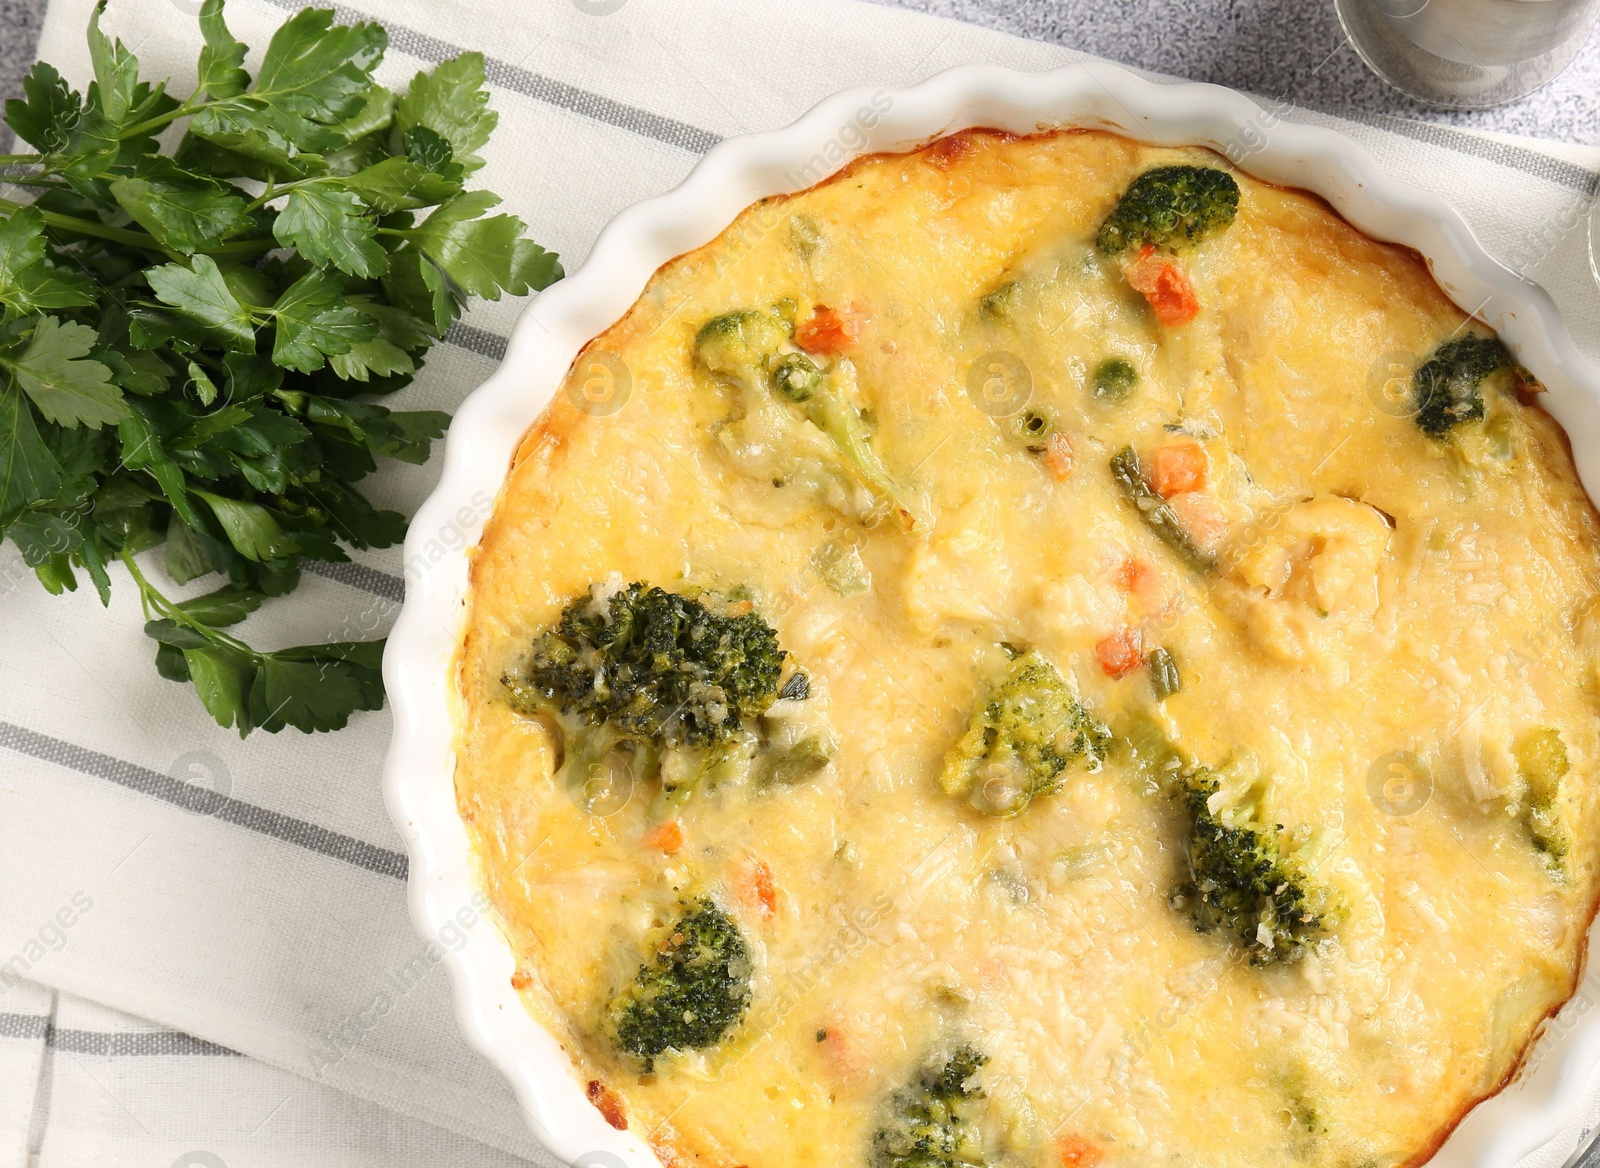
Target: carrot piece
1173, 470
837, 1050
1164, 286
666, 837
756, 888
1078, 1151
1201, 516
1120, 653
1058, 456
829, 330
1132, 575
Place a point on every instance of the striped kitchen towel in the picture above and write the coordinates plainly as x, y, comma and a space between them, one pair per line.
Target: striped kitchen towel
81, 1084
251, 893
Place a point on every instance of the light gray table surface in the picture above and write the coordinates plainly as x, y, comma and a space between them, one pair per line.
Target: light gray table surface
1291, 50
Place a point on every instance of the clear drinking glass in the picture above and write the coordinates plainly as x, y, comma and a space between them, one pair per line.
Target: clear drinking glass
1467, 54
1594, 238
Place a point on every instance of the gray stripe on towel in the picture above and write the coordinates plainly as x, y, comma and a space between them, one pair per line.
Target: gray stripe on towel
118, 1044
190, 797
476, 340
380, 584
1553, 170
23, 1025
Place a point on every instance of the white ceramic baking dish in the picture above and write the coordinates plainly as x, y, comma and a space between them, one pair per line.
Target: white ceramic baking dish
418, 664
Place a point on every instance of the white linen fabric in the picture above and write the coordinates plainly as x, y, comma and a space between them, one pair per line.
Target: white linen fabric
88, 1086
249, 895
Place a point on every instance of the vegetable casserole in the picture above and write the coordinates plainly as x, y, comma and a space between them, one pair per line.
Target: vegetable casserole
1039, 651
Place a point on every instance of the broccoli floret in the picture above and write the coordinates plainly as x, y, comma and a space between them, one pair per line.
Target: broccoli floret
1024, 734
737, 346
1447, 387
1240, 883
932, 1122
690, 993
1170, 206
746, 350
1157, 514
1114, 379
796, 377
1542, 763
642, 669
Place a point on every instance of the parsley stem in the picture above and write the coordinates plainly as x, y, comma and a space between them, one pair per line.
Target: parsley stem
153, 601
274, 191
243, 247
98, 230
20, 160
189, 107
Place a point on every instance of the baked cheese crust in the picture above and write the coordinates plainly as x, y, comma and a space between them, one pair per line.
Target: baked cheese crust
1380, 636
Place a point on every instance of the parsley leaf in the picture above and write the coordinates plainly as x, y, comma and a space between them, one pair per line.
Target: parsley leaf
416, 284
228, 605
204, 388
373, 356
116, 72
318, 70
389, 353
43, 286
200, 293
374, 117
400, 184
222, 676
29, 473
407, 434
27, 282
453, 103
142, 449
55, 370
308, 695
532, 268
312, 77
181, 211
21, 244
313, 321
474, 252
47, 113
188, 553
221, 72
250, 528
329, 225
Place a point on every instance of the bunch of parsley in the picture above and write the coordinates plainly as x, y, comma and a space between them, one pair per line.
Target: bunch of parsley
189, 341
